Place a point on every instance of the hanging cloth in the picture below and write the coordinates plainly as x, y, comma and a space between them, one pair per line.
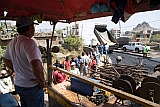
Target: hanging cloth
129, 10
123, 9
119, 6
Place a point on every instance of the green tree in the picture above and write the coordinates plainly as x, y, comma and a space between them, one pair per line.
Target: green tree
155, 38
58, 32
133, 38
2, 50
74, 42
3, 28
14, 31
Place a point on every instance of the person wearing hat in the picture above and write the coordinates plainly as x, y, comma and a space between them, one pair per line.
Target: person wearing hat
74, 70
24, 58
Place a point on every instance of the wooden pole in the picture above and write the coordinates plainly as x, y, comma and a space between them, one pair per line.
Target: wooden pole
49, 62
49, 57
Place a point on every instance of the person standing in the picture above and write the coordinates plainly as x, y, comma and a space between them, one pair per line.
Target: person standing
96, 54
145, 52
101, 49
84, 59
24, 58
106, 48
85, 69
66, 63
78, 61
93, 63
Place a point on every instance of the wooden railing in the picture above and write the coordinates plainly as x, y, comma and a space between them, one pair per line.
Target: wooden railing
122, 94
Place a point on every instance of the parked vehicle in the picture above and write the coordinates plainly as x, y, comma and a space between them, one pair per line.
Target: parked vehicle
134, 46
123, 41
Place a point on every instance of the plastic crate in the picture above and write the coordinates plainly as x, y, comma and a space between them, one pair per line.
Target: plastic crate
82, 87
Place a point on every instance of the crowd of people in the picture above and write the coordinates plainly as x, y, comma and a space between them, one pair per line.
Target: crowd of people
79, 65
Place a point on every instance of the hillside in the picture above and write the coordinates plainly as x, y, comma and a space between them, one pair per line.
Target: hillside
143, 27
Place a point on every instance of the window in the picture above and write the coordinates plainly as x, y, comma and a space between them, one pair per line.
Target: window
129, 44
133, 44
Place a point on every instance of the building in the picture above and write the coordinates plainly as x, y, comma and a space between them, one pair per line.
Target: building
144, 36
116, 33
70, 30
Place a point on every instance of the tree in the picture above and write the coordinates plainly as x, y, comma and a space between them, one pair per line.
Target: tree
3, 28
2, 50
155, 38
74, 42
14, 31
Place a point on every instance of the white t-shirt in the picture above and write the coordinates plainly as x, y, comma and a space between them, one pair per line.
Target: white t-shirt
85, 59
75, 71
21, 51
106, 46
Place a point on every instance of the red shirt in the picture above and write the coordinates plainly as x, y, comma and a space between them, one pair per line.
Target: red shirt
59, 77
67, 63
92, 64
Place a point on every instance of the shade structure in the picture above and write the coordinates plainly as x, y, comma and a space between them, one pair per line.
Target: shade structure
59, 10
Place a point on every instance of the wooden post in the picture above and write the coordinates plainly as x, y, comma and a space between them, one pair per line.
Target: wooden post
49, 57
49, 62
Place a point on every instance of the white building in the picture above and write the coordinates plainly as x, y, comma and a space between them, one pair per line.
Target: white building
116, 33
84, 30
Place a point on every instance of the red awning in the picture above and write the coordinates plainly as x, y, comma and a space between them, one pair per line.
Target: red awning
56, 10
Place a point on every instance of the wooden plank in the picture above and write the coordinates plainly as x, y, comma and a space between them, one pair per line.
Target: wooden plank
117, 92
59, 97
68, 98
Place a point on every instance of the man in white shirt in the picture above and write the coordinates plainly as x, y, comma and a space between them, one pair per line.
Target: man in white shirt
24, 58
106, 48
74, 70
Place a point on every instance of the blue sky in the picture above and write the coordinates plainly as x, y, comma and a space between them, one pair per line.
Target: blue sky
152, 17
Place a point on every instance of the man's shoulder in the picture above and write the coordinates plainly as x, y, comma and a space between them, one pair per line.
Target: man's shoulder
26, 40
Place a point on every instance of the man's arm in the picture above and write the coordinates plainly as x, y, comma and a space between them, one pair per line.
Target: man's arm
8, 63
38, 72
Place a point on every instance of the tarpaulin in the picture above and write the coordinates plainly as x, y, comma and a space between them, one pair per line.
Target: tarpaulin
57, 10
